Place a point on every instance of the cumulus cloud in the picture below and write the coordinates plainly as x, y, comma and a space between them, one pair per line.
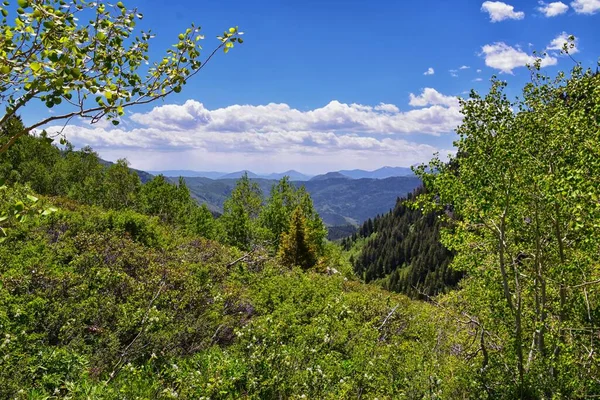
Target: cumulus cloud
390, 108
553, 9
500, 11
334, 117
277, 131
505, 58
431, 97
586, 6
558, 43
465, 67
430, 71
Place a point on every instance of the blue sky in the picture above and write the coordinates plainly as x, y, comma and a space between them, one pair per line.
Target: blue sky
321, 85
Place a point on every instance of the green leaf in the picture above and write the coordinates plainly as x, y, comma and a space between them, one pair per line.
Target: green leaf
49, 211
33, 199
23, 3
35, 66
19, 206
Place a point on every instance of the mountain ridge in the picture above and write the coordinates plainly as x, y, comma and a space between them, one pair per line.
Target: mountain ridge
380, 173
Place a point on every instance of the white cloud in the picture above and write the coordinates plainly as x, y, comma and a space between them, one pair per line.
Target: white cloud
431, 97
553, 9
276, 132
558, 43
465, 67
430, 71
334, 117
586, 6
390, 108
506, 58
500, 11
478, 71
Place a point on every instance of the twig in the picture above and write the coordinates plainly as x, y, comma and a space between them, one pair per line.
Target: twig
585, 284
388, 317
242, 258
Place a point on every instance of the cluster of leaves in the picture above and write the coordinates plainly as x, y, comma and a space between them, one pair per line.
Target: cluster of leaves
525, 188
19, 210
92, 69
401, 250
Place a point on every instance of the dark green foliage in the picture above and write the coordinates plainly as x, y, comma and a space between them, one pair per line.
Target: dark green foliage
89, 291
82, 176
297, 249
405, 255
275, 215
120, 186
240, 212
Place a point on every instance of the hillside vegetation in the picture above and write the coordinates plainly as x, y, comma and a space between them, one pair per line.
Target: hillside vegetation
114, 304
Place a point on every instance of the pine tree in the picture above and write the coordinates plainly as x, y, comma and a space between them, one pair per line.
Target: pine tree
296, 248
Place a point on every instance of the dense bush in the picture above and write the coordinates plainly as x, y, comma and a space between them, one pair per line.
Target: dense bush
115, 304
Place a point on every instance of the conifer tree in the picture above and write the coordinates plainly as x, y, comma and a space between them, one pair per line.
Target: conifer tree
296, 248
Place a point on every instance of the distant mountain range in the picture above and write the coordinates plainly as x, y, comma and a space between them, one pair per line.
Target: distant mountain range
340, 200
381, 173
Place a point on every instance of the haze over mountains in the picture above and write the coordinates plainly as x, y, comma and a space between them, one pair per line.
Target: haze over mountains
381, 173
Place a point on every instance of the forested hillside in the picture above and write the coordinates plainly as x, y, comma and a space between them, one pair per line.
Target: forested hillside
114, 304
401, 250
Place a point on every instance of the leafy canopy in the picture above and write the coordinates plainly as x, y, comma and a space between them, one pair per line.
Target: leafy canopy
84, 56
